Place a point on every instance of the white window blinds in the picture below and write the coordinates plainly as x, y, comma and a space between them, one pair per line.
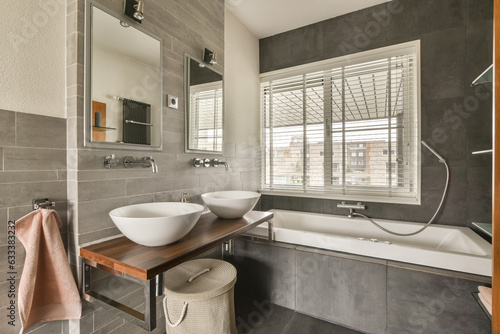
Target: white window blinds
348, 129
205, 123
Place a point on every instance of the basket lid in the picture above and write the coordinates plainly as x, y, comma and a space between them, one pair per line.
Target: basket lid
199, 279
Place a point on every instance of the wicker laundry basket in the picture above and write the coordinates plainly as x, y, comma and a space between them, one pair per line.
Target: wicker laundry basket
199, 298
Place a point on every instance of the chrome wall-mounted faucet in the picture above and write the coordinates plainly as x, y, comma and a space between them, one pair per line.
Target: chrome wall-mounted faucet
217, 163
150, 162
146, 162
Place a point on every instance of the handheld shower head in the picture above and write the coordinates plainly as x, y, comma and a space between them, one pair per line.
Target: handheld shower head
441, 159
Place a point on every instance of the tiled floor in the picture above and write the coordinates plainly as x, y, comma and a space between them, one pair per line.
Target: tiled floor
262, 317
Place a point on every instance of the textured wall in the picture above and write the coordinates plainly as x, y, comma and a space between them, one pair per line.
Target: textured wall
242, 84
32, 127
32, 51
32, 165
456, 46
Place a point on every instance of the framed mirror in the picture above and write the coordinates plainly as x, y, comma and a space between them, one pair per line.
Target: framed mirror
204, 107
123, 82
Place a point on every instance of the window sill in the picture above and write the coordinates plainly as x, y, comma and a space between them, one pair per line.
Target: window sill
340, 197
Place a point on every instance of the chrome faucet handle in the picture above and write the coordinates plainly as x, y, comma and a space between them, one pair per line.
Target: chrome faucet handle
197, 162
109, 161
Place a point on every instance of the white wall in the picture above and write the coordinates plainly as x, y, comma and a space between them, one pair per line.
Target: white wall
32, 57
241, 84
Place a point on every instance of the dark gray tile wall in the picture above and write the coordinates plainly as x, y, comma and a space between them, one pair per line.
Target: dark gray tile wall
367, 294
265, 273
300, 323
343, 291
260, 316
456, 46
32, 165
420, 302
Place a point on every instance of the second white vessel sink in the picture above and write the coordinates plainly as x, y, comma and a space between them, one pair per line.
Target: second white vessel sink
231, 204
156, 224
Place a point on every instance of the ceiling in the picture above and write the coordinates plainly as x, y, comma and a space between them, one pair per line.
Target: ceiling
266, 18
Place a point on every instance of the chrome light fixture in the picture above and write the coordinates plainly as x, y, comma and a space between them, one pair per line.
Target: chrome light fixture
134, 9
139, 12
210, 57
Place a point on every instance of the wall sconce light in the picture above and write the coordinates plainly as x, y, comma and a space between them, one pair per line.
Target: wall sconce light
210, 57
134, 9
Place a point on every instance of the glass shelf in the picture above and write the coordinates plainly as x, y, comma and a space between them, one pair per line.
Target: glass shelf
483, 152
484, 227
485, 77
103, 128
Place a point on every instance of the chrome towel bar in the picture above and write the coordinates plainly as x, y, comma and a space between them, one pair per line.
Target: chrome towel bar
128, 121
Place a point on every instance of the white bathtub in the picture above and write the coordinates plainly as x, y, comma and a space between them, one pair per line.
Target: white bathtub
440, 246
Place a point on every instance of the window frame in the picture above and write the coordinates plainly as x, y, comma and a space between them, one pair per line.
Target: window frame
364, 192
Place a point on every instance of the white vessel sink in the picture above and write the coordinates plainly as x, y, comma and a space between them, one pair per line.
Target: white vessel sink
231, 204
156, 224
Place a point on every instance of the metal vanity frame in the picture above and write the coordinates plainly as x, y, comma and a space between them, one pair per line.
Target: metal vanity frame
153, 287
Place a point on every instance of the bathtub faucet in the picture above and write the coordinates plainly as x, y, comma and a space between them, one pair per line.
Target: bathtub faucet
351, 207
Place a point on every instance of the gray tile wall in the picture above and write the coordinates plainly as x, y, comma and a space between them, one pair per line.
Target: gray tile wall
185, 27
367, 294
456, 46
32, 165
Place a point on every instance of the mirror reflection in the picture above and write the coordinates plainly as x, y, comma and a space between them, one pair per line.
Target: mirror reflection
204, 108
124, 107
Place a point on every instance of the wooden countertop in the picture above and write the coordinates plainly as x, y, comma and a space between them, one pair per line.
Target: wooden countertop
143, 262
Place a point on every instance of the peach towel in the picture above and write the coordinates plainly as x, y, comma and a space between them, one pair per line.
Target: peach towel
47, 290
485, 297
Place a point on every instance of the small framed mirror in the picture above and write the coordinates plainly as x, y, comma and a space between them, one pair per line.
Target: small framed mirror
204, 107
123, 98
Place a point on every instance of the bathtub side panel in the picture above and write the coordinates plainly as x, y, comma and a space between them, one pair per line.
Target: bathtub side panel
265, 272
340, 290
422, 302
